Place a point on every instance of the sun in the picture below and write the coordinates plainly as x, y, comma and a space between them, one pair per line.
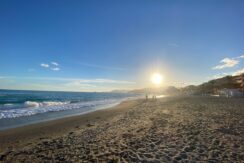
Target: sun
156, 78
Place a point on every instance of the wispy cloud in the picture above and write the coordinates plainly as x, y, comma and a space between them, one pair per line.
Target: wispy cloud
226, 63
62, 84
6, 77
44, 65
54, 63
238, 72
235, 73
108, 81
80, 80
241, 56
79, 84
55, 68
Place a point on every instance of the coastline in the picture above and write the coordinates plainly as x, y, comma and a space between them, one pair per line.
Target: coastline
34, 133
15, 119
171, 129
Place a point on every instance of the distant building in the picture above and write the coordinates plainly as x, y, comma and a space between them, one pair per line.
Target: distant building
231, 93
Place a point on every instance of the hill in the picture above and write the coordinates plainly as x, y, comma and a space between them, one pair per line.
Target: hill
212, 86
171, 90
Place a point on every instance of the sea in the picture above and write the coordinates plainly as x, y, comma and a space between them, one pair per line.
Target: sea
20, 108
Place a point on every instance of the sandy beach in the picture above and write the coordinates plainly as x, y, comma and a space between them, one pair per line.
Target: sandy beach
172, 129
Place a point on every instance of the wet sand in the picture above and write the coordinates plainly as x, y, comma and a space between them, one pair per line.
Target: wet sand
172, 129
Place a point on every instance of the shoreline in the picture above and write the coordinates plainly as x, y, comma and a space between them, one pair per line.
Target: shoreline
33, 133
172, 129
12, 123
25, 120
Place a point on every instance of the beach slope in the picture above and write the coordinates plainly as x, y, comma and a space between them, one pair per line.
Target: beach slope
180, 129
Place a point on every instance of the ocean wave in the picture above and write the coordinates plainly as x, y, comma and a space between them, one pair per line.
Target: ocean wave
33, 108
43, 104
8, 104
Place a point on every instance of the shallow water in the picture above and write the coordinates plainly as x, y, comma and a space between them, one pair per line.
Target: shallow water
18, 108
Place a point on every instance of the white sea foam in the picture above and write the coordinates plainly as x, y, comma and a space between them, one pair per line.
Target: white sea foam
43, 104
33, 108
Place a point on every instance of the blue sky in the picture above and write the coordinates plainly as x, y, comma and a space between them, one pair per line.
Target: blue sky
105, 45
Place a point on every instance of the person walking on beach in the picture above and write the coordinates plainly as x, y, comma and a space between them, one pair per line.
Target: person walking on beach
146, 97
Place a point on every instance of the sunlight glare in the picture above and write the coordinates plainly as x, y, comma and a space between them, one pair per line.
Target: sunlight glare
156, 78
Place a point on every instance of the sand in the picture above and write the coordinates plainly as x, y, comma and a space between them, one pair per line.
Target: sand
172, 129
